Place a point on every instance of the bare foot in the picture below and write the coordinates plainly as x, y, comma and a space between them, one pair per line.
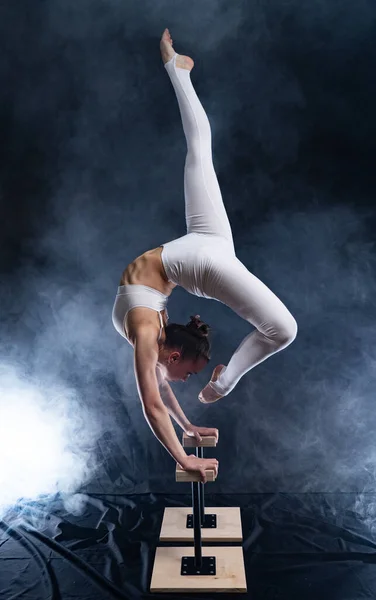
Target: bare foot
167, 51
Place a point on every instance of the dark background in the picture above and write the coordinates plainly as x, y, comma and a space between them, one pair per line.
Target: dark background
91, 176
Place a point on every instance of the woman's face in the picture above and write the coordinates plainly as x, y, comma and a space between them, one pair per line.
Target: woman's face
180, 370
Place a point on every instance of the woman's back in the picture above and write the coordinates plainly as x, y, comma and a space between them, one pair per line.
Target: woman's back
151, 286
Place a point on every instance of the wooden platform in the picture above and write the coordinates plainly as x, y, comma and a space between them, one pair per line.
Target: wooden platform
229, 527
207, 441
182, 476
229, 577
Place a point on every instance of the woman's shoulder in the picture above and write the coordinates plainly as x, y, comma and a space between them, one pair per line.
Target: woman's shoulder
142, 321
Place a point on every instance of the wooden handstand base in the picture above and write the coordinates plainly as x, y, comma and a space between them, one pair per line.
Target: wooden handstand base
228, 526
229, 577
199, 569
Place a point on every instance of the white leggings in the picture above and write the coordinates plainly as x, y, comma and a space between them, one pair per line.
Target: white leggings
230, 282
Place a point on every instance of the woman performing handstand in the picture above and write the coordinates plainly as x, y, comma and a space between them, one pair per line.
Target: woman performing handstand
204, 263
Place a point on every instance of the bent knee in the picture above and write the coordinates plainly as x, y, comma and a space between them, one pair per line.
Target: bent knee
287, 331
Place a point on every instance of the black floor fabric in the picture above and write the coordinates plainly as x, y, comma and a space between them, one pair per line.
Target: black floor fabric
310, 546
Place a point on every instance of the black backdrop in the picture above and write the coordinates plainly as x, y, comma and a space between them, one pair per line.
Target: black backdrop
91, 176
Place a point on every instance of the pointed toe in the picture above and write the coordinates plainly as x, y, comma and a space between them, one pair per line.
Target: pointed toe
208, 395
201, 396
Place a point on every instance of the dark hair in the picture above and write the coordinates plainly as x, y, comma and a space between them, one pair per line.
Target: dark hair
191, 339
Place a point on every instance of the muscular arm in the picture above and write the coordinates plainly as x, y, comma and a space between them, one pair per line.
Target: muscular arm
174, 409
155, 412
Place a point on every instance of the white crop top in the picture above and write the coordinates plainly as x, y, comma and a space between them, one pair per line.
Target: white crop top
132, 296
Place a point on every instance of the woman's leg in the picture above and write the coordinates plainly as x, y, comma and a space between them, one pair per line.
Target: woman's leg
231, 283
204, 209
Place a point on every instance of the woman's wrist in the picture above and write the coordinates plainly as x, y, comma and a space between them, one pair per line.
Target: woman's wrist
186, 426
183, 461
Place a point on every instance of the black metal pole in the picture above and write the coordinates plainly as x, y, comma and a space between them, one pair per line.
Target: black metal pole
196, 524
200, 454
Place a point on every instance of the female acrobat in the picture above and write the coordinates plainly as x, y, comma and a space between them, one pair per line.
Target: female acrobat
204, 263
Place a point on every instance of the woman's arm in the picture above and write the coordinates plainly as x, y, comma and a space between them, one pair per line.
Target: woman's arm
174, 409
155, 412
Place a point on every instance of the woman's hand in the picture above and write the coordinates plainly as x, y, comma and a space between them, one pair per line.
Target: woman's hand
197, 432
194, 464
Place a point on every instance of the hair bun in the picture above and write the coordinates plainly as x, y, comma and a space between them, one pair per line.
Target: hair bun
199, 326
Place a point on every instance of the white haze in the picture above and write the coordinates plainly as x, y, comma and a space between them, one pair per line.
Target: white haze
302, 421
